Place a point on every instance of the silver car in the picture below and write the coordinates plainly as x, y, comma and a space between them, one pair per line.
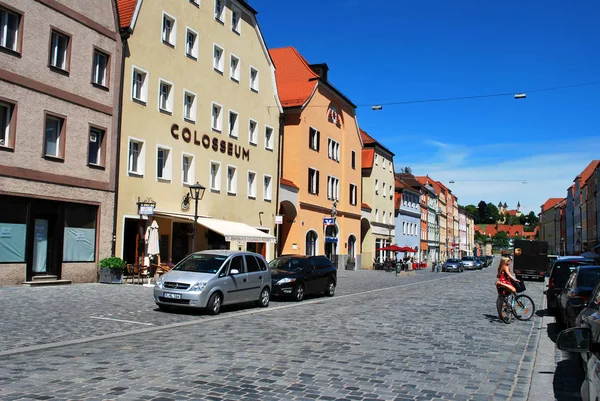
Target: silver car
468, 263
452, 265
210, 279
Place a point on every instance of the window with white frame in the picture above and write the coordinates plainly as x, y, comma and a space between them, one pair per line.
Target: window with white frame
314, 139
6, 128
234, 68
377, 215
95, 149
383, 188
169, 33
383, 217
165, 96
353, 196
187, 168
218, 54
217, 117
233, 124
269, 138
313, 181
267, 187
231, 180
252, 135
220, 10
333, 150
251, 184
163, 163
376, 159
191, 43
59, 50
391, 192
376, 186
254, 79
9, 29
383, 162
333, 188
100, 71
236, 19
391, 218
189, 106
139, 85
215, 176
135, 162
54, 136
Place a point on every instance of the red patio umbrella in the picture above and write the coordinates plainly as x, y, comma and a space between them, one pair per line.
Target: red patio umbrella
394, 248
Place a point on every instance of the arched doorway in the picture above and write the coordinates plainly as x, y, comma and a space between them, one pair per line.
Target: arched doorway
366, 244
311, 243
331, 243
289, 213
352, 247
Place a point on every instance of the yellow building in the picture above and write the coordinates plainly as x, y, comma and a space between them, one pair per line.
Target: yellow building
321, 175
200, 105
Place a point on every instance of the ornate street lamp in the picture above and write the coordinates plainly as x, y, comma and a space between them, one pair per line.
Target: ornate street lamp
196, 193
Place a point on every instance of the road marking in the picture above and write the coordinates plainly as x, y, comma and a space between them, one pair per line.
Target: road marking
121, 320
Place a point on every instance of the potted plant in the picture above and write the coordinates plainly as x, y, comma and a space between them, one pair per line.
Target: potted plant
111, 270
350, 263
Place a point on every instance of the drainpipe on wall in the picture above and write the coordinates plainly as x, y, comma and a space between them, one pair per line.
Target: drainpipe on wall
279, 168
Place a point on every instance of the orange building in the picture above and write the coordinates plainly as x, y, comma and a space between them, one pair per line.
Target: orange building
320, 185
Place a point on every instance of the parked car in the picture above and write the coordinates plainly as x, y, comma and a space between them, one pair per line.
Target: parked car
580, 285
210, 279
479, 263
489, 259
551, 260
559, 275
586, 341
588, 317
296, 276
468, 263
452, 265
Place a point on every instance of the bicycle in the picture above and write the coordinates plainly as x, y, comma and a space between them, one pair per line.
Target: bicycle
510, 304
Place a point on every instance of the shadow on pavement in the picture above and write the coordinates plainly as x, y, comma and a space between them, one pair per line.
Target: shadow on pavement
568, 378
493, 318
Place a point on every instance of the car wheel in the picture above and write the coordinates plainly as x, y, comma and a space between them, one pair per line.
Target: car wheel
298, 293
330, 290
264, 297
214, 304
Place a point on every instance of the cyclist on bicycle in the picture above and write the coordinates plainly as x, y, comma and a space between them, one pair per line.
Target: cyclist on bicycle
505, 277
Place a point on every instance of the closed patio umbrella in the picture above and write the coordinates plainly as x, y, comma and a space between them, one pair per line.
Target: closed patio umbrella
152, 244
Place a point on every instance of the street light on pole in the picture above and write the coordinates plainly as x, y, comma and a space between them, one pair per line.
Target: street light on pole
196, 193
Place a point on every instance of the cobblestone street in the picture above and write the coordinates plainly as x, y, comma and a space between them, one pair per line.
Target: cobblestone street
429, 336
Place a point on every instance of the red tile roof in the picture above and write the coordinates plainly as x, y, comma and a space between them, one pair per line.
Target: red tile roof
491, 230
367, 157
366, 138
587, 172
296, 81
550, 203
289, 183
126, 10
365, 206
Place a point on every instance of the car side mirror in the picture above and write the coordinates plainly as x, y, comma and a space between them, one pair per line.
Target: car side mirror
233, 271
578, 339
576, 303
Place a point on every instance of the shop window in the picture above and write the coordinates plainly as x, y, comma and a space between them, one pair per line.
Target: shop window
13, 229
80, 233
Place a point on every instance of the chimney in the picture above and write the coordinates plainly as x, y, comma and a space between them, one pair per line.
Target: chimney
320, 70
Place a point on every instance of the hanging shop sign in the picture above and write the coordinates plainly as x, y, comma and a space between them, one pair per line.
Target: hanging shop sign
331, 240
208, 142
328, 221
146, 207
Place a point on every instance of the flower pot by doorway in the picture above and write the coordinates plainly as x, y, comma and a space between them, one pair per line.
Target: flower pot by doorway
350, 265
111, 270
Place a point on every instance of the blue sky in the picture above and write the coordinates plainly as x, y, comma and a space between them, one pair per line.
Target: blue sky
394, 51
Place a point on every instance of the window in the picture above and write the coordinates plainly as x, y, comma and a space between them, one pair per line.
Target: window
169, 33
135, 164
392, 219
217, 117
191, 43
353, 160
139, 85
96, 151
165, 96
333, 148
54, 141
376, 186
311, 243
333, 188
251, 184
254, 79
9, 30
60, 50
101, 68
377, 160
231, 180
403, 227
189, 106
268, 138
383, 163
236, 16
377, 215
218, 58
353, 196
220, 10
391, 192
313, 139
187, 168
233, 124
163, 163
313, 181
383, 220
252, 132
267, 188
13, 228
79, 242
252, 265
7, 125
383, 189
215, 176
234, 68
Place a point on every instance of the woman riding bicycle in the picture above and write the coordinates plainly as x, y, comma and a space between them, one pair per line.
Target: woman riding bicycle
505, 277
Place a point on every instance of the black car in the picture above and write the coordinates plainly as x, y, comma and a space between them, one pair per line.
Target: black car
559, 275
297, 275
580, 285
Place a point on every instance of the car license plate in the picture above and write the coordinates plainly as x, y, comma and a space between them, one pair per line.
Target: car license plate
172, 296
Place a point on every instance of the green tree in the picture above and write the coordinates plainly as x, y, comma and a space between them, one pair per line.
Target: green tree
482, 207
500, 240
492, 213
479, 237
473, 211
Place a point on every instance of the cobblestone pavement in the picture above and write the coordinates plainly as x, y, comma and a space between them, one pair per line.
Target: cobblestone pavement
431, 336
